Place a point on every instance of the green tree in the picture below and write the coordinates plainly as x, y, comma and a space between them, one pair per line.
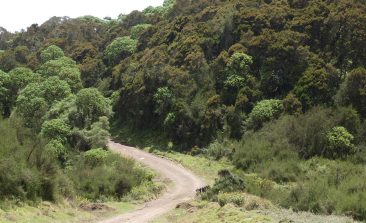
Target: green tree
31, 105
98, 134
72, 76
51, 53
4, 80
353, 91
120, 48
317, 86
56, 149
56, 129
163, 99
137, 30
55, 90
54, 67
91, 105
264, 111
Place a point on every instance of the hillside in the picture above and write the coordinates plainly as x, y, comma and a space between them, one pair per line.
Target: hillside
277, 88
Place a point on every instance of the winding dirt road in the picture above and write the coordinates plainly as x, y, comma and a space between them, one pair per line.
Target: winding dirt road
183, 188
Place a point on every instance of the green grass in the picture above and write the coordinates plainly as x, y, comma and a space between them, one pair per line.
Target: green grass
203, 167
209, 212
47, 212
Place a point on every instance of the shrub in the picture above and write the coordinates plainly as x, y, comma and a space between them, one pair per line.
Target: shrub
339, 143
264, 111
217, 150
56, 129
56, 149
95, 157
100, 182
226, 198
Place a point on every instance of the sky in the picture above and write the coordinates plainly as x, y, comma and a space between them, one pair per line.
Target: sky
20, 14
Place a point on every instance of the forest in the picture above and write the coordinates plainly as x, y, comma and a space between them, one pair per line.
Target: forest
276, 87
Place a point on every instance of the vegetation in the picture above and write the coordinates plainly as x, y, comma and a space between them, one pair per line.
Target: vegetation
277, 88
53, 138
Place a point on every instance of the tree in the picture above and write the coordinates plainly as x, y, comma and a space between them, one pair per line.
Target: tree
54, 67
98, 134
137, 30
72, 76
18, 79
56, 149
21, 77
239, 64
317, 86
56, 129
264, 111
353, 91
31, 106
292, 105
51, 53
120, 48
55, 90
4, 80
91, 105
163, 99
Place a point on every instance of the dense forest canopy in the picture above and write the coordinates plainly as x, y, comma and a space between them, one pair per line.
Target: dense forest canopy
198, 71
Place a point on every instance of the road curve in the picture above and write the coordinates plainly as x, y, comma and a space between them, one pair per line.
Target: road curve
183, 188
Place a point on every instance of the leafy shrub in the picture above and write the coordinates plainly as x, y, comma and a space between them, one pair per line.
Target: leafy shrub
56, 129
56, 149
95, 157
339, 142
103, 182
264, 111
218, 150
226, 198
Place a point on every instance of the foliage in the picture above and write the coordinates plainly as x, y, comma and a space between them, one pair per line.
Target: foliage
317, 86
56, 129
51, 53
95, 157
339, 142
102, 181
264, 111
352, 91
137, 30
119, 49
91, 104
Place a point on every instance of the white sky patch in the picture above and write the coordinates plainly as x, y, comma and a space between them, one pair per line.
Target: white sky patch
20, 14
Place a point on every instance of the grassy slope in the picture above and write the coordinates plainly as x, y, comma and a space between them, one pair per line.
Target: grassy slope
253, 210
47, 212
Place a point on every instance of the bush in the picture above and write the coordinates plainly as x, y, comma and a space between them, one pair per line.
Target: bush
96, 181
217, 150
56, 149
339, 143
234, 198
264, 111
96, 157
56, 129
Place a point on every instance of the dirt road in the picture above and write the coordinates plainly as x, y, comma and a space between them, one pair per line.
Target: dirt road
184, 184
